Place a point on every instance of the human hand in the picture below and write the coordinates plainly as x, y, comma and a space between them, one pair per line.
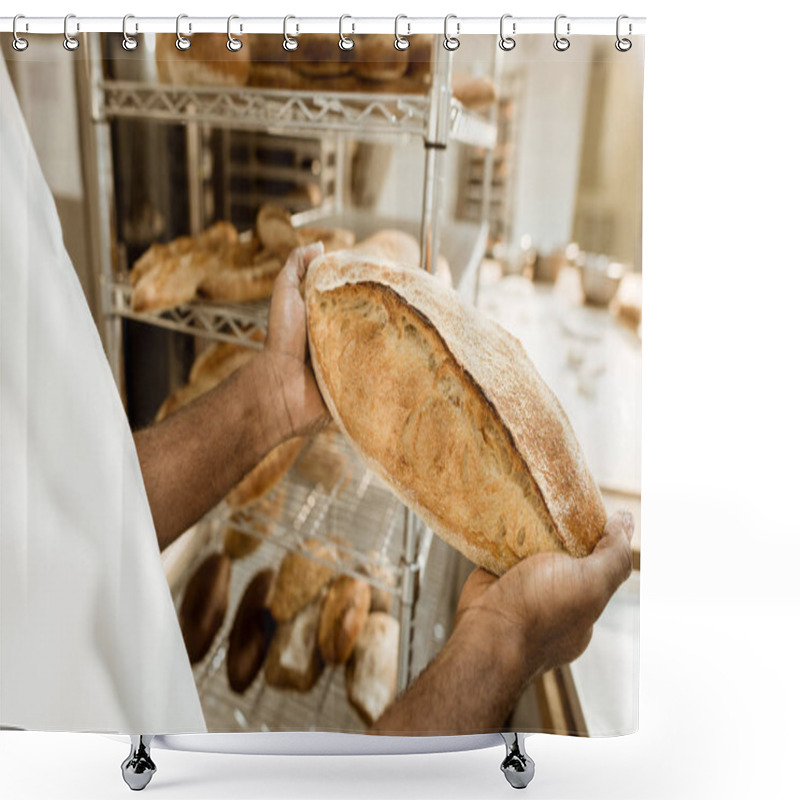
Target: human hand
300, 407
539, 615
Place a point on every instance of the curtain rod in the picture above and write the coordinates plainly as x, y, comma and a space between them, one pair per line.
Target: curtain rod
297, 25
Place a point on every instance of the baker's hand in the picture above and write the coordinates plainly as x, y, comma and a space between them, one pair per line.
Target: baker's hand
541, 612
302, 410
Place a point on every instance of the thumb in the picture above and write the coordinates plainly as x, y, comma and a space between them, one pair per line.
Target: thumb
611, 561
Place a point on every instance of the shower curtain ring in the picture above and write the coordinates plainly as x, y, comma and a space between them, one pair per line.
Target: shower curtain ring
623, 45
233, 44
19, 44
561, 43
507, 42
128, 42
400, 42
182, 43
451, 43
70, 42
289, 43
345, 42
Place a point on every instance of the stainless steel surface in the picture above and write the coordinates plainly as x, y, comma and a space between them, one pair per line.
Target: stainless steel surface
138, 768
364, 116
517, 766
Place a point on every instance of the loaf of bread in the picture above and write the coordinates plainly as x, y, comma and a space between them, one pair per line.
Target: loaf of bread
477, 94
293, 660
319, 56
371, 674
344, 613
323, 463
300, 580
377, 59
252, 631
332, 238
168, 275
204, 604
266, 474
208, 62
447, 407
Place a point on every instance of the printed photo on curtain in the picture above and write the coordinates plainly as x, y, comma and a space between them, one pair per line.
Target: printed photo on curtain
321, 368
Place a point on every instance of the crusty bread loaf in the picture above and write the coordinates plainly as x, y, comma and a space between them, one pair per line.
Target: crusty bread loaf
208, 62
204, 604
252, 630
319, 56
293, 660
371, 674
300, 579
396, 247
344, 613
477, 94
447, 407
266, 474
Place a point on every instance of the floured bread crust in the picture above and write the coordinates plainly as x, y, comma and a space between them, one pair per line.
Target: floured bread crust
446, 406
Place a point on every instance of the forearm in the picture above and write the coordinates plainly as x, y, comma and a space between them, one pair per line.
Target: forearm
192, 459
470, 687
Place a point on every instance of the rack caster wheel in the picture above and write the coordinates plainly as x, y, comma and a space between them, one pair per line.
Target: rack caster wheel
517, 766
138, 768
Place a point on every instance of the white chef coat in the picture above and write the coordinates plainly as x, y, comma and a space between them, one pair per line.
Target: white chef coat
89, 639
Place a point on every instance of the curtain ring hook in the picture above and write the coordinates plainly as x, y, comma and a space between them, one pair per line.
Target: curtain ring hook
19, 44
561, 43
623, 45
507, 43
289, 43
451, 43
233, 44
70, 42
181, 42
345, 42
400, 42
129, 42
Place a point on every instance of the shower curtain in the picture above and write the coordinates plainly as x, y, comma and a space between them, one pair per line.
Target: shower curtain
168, 214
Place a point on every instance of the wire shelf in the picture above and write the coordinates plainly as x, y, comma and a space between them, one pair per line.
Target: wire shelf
362, 115
347, 506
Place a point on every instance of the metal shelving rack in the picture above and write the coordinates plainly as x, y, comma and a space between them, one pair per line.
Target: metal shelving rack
435, 117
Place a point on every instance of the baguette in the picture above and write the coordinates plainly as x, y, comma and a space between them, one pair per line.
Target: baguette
447, 407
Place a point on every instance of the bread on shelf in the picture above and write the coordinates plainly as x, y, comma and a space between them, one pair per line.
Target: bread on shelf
371, 673
300, 579
344, 613
251, 633
204, 604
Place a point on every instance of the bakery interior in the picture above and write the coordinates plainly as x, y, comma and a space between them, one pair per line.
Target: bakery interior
526, 198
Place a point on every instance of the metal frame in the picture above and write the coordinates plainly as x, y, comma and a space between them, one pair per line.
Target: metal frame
435, 116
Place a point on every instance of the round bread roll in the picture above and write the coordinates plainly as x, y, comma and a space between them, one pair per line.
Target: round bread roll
208, 62
319, 56
273, 211
344, 613
204, 605
278, 238
397, 247
379, 570
238, 544
450, 412
252, 630
300, 580
377, 59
